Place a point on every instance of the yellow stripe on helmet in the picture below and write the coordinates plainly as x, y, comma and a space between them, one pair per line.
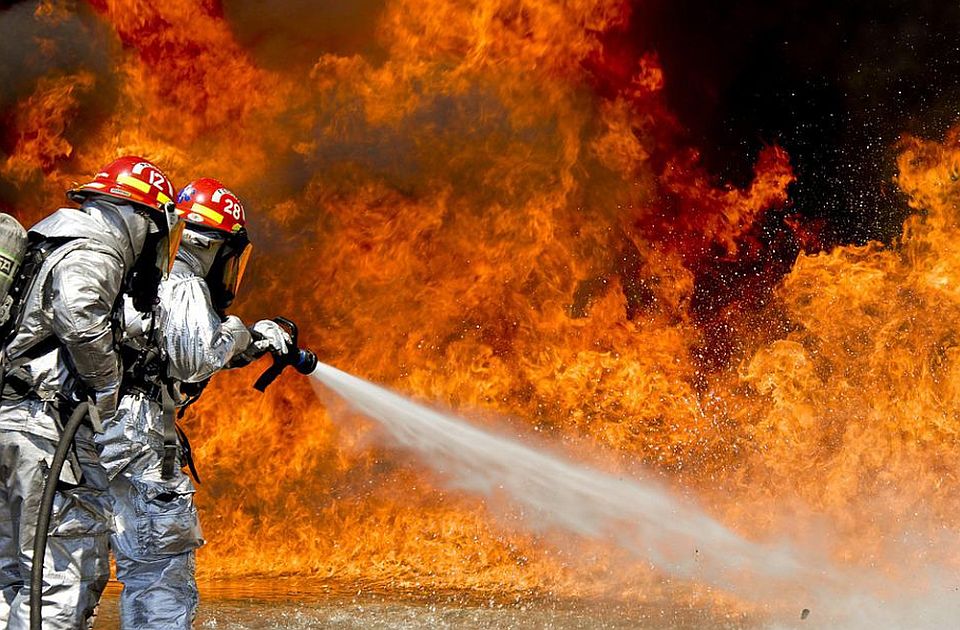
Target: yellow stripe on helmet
202, 210
140, 185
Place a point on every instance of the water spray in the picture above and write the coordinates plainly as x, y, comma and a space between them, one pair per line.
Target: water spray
642, 517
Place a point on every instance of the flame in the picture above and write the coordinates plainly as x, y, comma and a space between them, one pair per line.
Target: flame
497, 213
40, 123
862, 387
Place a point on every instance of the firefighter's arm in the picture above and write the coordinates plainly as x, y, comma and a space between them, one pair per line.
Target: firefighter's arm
83, 288
196, 341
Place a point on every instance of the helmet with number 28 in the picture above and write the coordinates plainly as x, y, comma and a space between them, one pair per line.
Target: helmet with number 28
208, 203
210, 208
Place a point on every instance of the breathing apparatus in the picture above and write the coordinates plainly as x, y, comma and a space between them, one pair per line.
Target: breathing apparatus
13, 247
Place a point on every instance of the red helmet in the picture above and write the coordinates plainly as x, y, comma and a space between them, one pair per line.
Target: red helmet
131, 179
206, 204
209, 203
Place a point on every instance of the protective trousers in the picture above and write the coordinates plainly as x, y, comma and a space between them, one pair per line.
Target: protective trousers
76, 565
156, 522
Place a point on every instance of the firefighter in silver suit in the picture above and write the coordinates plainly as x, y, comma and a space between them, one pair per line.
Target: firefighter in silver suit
157, 528
61, 353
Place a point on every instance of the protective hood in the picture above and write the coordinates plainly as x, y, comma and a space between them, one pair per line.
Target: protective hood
197, 253
116, 226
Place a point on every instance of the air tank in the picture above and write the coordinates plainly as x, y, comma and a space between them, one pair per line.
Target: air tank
13, 245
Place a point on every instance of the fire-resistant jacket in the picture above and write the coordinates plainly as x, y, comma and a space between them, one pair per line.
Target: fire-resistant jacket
157, 525
72, 302
196, 342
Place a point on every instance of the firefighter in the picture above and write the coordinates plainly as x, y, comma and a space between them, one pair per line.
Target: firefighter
167, 362
61, 353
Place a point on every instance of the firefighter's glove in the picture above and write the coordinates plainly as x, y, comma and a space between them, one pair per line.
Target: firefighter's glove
269, 336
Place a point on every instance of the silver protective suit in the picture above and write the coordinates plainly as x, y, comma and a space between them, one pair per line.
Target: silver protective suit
156, 523
63, 348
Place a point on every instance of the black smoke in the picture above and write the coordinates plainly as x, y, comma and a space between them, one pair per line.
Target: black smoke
834, 83
285, 34
35, 44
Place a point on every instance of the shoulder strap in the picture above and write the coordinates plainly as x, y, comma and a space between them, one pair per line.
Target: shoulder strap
170, 442
11, 372
37, 253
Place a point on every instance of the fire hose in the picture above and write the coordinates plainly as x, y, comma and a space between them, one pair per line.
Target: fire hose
301, 359
46, 509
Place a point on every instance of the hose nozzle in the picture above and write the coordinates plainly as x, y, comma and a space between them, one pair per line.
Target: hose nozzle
301, 359
306, 361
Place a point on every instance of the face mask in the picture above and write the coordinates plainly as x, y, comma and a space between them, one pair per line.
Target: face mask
226, 274
170, 243
233, 267
200, 250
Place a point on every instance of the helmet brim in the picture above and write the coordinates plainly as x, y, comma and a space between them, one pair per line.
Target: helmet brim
83, 192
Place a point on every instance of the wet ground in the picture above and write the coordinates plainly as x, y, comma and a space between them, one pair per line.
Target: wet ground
279, 606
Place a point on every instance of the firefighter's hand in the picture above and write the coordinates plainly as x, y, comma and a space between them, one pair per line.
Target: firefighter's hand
269, 336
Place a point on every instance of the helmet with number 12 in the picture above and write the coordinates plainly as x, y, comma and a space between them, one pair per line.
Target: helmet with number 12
141, 184
210, 208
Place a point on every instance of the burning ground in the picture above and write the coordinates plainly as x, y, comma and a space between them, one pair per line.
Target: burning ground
547, 212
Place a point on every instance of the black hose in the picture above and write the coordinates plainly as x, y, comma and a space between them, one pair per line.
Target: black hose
46, 510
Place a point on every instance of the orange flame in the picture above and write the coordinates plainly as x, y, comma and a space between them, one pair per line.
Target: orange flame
470, 219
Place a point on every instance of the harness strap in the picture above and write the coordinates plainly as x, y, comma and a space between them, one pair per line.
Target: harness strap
17, 382
170, 441
187, 453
